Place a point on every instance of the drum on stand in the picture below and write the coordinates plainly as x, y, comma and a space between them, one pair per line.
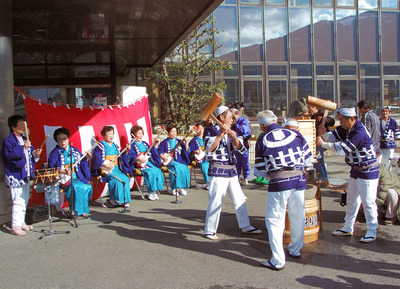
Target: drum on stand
46, 176
311, 226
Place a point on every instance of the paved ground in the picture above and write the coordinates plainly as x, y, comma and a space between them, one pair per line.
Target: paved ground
159, 245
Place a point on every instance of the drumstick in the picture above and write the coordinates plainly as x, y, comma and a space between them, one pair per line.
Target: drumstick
41, 146
26, 131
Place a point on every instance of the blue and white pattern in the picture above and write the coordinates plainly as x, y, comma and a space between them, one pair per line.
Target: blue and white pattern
280, 149
357, 147
389, 132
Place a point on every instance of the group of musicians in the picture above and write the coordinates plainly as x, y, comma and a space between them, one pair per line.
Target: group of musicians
104, 160
282, 155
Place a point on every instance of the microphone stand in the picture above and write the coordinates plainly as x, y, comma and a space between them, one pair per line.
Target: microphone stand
72, 206
176, 196
124, 210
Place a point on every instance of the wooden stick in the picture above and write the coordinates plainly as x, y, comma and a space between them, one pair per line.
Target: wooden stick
324, 117
41, 146
26, 131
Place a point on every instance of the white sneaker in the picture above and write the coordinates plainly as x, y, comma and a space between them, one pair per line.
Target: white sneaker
244, 182
126, 205
182, 192
156, 195
152, 197
173, 192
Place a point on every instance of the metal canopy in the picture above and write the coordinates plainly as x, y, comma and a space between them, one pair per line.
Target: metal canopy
76, 39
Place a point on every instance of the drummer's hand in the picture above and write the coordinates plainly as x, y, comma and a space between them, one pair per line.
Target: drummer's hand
225, 128
37, 152
232, 134
128, 148
88, 155
27, 144
320, 141
156, 141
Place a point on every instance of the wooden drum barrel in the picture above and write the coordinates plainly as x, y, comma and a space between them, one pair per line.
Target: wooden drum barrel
311, 226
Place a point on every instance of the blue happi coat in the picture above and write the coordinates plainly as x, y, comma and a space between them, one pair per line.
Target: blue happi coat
152, 174
280, 150
194, 145
118, 191
16, 166
179, 165
59, 158
357, 147
389, 132
222, 155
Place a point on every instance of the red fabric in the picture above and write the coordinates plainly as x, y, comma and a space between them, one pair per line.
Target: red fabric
41, 115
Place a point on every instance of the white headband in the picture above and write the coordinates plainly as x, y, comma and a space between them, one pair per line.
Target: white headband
292, 122
220, 109
347, 111
267, 120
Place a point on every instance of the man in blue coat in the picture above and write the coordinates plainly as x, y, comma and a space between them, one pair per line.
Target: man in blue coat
242, 128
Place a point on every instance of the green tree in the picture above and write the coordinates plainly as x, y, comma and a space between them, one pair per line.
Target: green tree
180, 74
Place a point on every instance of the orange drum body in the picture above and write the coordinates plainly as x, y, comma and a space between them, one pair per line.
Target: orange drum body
311, 226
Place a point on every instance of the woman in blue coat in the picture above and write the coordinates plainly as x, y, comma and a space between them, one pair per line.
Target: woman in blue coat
176, 159
79, 193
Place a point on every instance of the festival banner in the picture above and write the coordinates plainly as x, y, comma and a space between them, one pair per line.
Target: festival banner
84, 123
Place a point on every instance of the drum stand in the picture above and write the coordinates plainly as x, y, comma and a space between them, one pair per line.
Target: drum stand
50, 231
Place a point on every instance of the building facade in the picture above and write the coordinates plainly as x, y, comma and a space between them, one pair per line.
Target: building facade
284, 50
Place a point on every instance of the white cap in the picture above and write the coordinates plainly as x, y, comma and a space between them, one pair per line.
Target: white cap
291, 122
220, 109
235, 111
347, 111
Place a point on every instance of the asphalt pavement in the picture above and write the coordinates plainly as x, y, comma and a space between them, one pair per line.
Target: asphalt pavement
159, 244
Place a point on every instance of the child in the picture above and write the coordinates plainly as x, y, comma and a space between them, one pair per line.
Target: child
18, 157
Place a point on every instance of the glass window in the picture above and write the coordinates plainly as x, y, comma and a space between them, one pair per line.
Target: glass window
253, 2
275, 2
325, 70
347, 3
277, 70
326, 89
371, 90
346, 34
275, 34
347, 70
51, 94
391, 95
226, 21
368, 4
301, 70
368, 23
233, 72
229, 2
391, 70
301, 88
252, 92
390, 36
277, 97
299, 3
369, 69
231, 92
300, 34
348, 92
323, 3
29, 72
255, 70
323, 34
251, 34
389, 4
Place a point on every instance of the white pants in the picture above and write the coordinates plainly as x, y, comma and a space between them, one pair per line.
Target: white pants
362, 191
20, 197
275, 221
392, 203
218, 186
387, 155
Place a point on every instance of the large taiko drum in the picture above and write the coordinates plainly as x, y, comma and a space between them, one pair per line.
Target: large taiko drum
46, 176
311, 226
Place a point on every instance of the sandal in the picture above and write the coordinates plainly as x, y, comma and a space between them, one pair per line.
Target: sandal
253, 231
365, 239
268, 264
26, 227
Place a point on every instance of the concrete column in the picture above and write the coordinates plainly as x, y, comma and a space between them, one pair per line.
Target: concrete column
6, 98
